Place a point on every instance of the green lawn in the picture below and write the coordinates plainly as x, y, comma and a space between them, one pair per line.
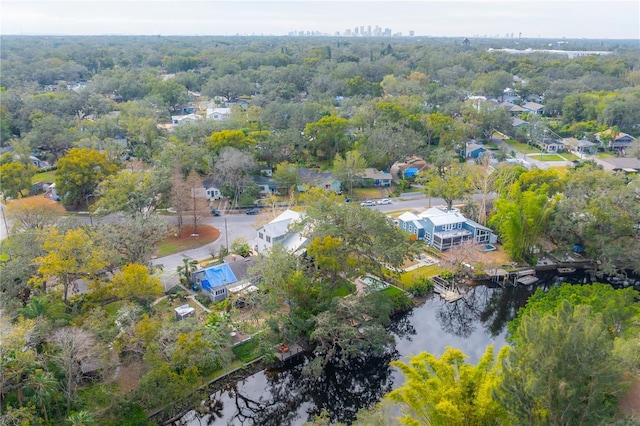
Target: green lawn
365, 193
391, 290
606, 155
522, 147
547, 157
569, 156
44, 177
247, 351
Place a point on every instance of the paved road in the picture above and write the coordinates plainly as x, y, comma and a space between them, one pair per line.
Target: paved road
234, 226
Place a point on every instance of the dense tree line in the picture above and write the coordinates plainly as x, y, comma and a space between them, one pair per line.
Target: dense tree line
338, 104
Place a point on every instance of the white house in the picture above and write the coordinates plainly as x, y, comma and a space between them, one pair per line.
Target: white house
278, 232
213, 194
179, 120
218, 114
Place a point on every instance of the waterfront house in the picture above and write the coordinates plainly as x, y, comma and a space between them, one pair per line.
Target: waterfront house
444, 228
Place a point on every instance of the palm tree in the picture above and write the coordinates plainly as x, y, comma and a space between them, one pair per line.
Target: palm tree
184, 272
80, 418
44, 387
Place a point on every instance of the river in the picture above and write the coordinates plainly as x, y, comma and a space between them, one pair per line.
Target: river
289, 397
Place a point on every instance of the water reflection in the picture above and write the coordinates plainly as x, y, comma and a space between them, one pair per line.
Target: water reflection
290, 397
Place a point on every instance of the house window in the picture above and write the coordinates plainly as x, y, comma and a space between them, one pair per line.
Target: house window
410, 229
268, 239
219, 292
261, 236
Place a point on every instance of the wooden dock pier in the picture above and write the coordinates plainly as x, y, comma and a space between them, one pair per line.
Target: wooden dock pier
447, 291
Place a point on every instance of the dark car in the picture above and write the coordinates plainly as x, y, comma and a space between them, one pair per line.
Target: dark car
254, 210
215, 212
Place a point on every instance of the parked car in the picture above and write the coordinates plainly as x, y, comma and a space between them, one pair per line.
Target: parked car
384, 201
215, 212
368, 203
254, 210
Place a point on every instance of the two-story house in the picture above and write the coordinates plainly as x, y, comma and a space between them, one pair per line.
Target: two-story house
618, 142
278, 231
443, 229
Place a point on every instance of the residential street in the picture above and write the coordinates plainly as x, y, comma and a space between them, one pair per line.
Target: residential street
234, 226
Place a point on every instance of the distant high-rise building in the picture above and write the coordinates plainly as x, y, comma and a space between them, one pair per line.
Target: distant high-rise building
412, 33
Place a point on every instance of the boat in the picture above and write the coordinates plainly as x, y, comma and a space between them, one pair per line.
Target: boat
528, 280
565, 271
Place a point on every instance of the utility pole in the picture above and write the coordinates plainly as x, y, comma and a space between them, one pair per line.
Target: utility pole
226, 234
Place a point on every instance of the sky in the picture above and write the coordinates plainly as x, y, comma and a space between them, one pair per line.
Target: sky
450, 18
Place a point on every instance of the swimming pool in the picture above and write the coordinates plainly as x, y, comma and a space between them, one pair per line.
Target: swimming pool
373, 284
488, 247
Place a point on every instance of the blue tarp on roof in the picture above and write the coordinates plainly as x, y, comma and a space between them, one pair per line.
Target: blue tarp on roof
217, 276
411, 172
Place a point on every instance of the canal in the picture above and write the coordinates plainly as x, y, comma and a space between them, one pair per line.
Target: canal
291, 397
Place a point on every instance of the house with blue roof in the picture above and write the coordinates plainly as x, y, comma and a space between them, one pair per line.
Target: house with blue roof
444, 228
231, 277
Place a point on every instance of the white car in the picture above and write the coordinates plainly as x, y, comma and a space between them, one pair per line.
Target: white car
368, 203
383, 202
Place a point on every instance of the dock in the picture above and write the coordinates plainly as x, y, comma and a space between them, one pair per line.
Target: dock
286, 352
447, 291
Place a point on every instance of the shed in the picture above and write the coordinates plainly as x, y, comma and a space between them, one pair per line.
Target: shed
184, 311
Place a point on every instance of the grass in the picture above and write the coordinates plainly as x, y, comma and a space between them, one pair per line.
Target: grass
408, 278
365, 193
606, 155
569, 156
391, 290
44, 177
167, 248
247, 351
548, 157
184, 241
522, 147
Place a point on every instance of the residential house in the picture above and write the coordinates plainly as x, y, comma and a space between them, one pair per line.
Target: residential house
278, 232
620, 142
533, 107
374, 177
551, 145
411, 167
510, 95
443, 229
218, 114
217, 281
213, 193
628, 165
473, 149
267, 186
580, 147
242, 103
517, 122
179, 120
315, 179
512, 108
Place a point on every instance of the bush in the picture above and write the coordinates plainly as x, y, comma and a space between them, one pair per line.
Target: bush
422, 287
401, 302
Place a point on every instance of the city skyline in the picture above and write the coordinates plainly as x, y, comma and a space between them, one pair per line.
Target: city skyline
531, 19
